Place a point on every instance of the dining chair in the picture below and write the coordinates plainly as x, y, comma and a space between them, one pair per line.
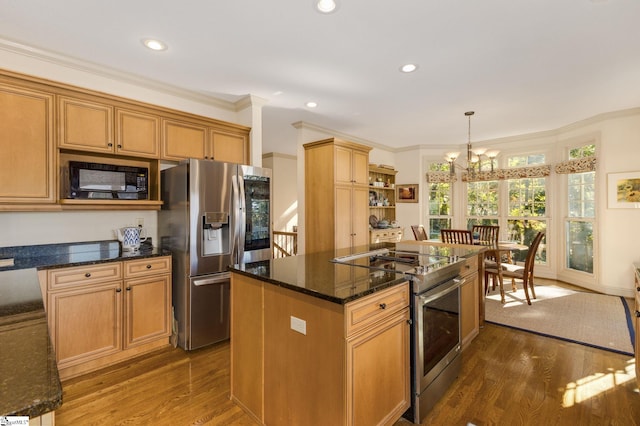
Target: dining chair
419, 233
456, 236
521, 272
486, 235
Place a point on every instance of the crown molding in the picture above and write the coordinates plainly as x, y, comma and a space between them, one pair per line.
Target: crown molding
305, 125
111, 73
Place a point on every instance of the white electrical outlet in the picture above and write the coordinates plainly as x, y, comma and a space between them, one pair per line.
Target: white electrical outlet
299, 325
140, 221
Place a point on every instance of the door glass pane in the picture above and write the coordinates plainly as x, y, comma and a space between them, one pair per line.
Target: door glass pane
257, 203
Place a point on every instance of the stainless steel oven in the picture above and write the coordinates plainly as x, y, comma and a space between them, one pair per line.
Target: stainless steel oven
435, 344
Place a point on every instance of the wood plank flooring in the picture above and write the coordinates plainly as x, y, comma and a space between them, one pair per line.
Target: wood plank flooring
508, 377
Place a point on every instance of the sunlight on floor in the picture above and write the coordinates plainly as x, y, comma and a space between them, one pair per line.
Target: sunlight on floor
591, 386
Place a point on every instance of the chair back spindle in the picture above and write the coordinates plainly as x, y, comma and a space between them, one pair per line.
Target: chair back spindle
456, 236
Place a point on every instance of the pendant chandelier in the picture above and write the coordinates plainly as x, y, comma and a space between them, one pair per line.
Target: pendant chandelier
474, 155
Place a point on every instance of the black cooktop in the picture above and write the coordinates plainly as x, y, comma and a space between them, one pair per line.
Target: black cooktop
403, 261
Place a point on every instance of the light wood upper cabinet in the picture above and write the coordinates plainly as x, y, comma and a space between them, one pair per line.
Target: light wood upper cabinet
352, 166
85, 125
90, 126
27, 160
230, 147
137, 133
182, 140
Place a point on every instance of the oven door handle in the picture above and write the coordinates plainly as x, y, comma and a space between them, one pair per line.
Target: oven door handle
452, 285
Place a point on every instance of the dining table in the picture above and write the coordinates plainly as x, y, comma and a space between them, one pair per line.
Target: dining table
507, 246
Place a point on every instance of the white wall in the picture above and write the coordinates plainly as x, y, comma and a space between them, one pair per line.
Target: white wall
32, 228
285, 190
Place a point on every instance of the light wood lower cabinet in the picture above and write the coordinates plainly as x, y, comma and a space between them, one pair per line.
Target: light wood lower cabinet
102, 314
470, 300
347, 365
392, 235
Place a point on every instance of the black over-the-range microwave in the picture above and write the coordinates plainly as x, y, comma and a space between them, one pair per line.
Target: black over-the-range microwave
107, 181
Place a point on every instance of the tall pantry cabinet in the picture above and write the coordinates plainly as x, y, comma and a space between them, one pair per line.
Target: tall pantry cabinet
336, 195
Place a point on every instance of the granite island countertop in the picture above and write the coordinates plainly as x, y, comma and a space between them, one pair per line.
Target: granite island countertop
314, 274
29, 380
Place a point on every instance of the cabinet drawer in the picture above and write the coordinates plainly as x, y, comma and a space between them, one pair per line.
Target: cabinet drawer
144, 267
82, 275
469, 266
368, 310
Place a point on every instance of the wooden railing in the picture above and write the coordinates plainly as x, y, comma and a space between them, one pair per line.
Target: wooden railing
285, 244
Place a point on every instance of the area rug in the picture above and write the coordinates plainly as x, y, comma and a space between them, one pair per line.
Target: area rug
590, 319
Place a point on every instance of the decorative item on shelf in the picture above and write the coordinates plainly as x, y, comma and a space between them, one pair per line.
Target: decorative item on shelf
474, 155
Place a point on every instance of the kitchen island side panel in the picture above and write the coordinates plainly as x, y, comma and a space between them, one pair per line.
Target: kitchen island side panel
247, 344
305, 371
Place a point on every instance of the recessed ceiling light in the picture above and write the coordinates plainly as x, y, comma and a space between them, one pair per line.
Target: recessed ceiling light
154, 44
326, 6
407, 68
311, 104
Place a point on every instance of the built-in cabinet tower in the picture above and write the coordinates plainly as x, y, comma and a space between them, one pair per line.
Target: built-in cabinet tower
336, 195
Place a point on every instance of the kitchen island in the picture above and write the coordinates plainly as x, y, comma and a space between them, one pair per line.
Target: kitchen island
316, 342
30, 380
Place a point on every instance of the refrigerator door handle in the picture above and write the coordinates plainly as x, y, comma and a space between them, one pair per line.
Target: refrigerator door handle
242, 214
236, 207
212, 280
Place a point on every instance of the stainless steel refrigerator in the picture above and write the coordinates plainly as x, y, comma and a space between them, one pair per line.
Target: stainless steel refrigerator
214, 214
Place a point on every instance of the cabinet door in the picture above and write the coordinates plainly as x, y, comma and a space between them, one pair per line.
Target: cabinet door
343, 217
469, 315
85, 323
147, 309
351, 225
360, 167
85, 125
182, 140
229, 147
378, 376
343, 165
359, 220
137, 134
26, 146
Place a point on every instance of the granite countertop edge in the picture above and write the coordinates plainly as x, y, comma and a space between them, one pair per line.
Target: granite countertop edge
327, 297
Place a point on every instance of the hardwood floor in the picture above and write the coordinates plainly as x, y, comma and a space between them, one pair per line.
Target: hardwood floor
508, 377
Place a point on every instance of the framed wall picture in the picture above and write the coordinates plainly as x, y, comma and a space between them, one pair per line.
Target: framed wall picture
407, 193
623, 190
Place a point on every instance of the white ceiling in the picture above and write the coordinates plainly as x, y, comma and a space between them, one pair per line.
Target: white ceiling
522, 65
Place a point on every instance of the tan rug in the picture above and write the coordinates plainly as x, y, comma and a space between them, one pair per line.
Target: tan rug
590, 319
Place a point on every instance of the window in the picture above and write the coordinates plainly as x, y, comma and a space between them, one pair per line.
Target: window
581, 209
527, 206
518, 204
482, 203
439, 197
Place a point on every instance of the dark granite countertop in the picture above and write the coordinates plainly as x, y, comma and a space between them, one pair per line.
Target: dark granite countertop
29, 381
314, 274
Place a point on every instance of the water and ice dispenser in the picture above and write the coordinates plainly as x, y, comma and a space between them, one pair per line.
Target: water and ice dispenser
215, 233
